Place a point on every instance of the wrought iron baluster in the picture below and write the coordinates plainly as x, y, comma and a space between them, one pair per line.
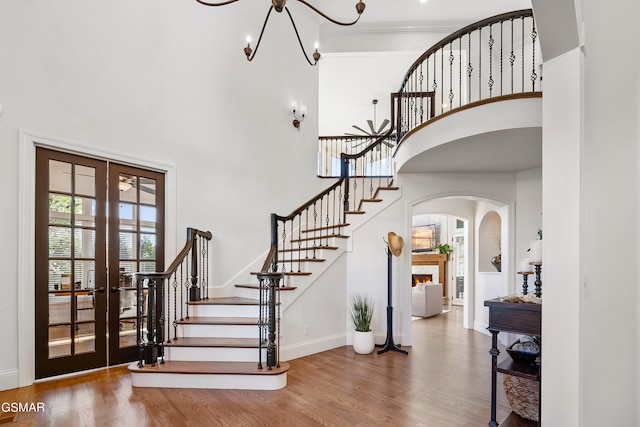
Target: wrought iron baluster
161, 319
442, 79
534, 34
479, 64
355, 185
460, 71
501, 57
451, 59
175, 305
421, 98
315, 226
512, 57
291, 247
469, 70
491, 41
434, 87
522, 51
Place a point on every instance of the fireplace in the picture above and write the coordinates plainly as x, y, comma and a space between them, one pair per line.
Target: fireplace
421, 278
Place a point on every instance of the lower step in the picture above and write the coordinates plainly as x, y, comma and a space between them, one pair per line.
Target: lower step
210, 375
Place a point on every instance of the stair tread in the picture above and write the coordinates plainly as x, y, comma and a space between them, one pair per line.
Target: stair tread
329, 227
356, 212
371, 200
218, 321
289, 273
385, 188
302, 260
208, 367
310, 248
214, 342
330, 236
226, 301
280, 288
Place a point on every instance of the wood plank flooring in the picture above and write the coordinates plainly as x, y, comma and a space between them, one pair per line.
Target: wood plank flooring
443, 382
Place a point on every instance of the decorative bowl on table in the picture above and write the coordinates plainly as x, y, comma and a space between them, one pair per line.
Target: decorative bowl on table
525, 351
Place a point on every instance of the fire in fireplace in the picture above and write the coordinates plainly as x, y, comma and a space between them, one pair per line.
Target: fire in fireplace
420, 278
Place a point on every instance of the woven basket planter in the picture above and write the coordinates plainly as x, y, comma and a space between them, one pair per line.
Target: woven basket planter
523, 395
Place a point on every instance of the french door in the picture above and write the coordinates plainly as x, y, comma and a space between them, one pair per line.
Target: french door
94, 221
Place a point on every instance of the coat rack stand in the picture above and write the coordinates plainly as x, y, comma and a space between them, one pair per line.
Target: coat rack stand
389, 344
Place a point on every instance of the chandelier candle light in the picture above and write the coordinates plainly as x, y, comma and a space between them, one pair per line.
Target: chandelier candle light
279, 6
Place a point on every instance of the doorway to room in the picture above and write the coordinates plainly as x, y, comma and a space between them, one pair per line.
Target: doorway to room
95, 220
439, 254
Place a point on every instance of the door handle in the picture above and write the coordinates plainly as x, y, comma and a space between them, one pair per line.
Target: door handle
99, 289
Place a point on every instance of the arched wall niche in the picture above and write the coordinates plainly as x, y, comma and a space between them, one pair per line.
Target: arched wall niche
489, 241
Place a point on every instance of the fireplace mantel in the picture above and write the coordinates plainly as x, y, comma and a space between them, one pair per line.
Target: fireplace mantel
434, 259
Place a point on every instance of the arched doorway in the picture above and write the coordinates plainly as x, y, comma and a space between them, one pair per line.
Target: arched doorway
471, 279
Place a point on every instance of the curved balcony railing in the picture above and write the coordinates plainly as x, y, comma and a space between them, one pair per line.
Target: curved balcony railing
493, 58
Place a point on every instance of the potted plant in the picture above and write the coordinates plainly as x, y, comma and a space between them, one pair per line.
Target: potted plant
361, 312
443, 248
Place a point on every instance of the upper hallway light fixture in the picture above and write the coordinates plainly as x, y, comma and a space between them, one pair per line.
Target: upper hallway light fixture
279, 6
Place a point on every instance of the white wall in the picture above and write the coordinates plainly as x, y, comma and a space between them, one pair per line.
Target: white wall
168, 82
528, 210
610, 178
322, 307
561, 190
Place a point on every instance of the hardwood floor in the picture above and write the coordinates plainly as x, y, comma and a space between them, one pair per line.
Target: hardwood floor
443, 382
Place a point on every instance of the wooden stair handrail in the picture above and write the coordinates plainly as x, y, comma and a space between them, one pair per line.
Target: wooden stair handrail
192, 235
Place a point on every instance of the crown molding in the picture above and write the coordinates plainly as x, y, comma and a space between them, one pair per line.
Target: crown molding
384, 28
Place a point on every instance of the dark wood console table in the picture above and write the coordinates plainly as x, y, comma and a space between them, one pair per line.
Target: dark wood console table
517, 318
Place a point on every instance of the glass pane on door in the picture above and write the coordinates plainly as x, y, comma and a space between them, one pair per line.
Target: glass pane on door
70, 249
137, 239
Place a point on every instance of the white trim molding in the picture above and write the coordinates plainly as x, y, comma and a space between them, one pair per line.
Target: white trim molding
29, 141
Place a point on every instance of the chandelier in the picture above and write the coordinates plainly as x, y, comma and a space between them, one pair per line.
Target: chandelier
279, 6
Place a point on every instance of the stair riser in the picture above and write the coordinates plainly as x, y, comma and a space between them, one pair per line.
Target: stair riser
223, 331
210, 381
214, 354
225, 310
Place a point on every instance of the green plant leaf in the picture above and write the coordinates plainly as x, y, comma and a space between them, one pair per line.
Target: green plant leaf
361, 312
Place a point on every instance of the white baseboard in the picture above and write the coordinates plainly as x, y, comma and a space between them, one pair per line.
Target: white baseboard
9, 379
295, 351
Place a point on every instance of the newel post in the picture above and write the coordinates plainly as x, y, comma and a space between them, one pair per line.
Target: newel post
194, 289
274, 241
344, 173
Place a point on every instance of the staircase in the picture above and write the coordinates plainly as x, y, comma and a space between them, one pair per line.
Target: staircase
217, 348
215, 343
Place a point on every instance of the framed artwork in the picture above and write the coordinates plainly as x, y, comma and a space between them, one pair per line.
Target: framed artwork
425, 237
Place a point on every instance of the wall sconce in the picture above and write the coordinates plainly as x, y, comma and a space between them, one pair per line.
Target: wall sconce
298, 114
